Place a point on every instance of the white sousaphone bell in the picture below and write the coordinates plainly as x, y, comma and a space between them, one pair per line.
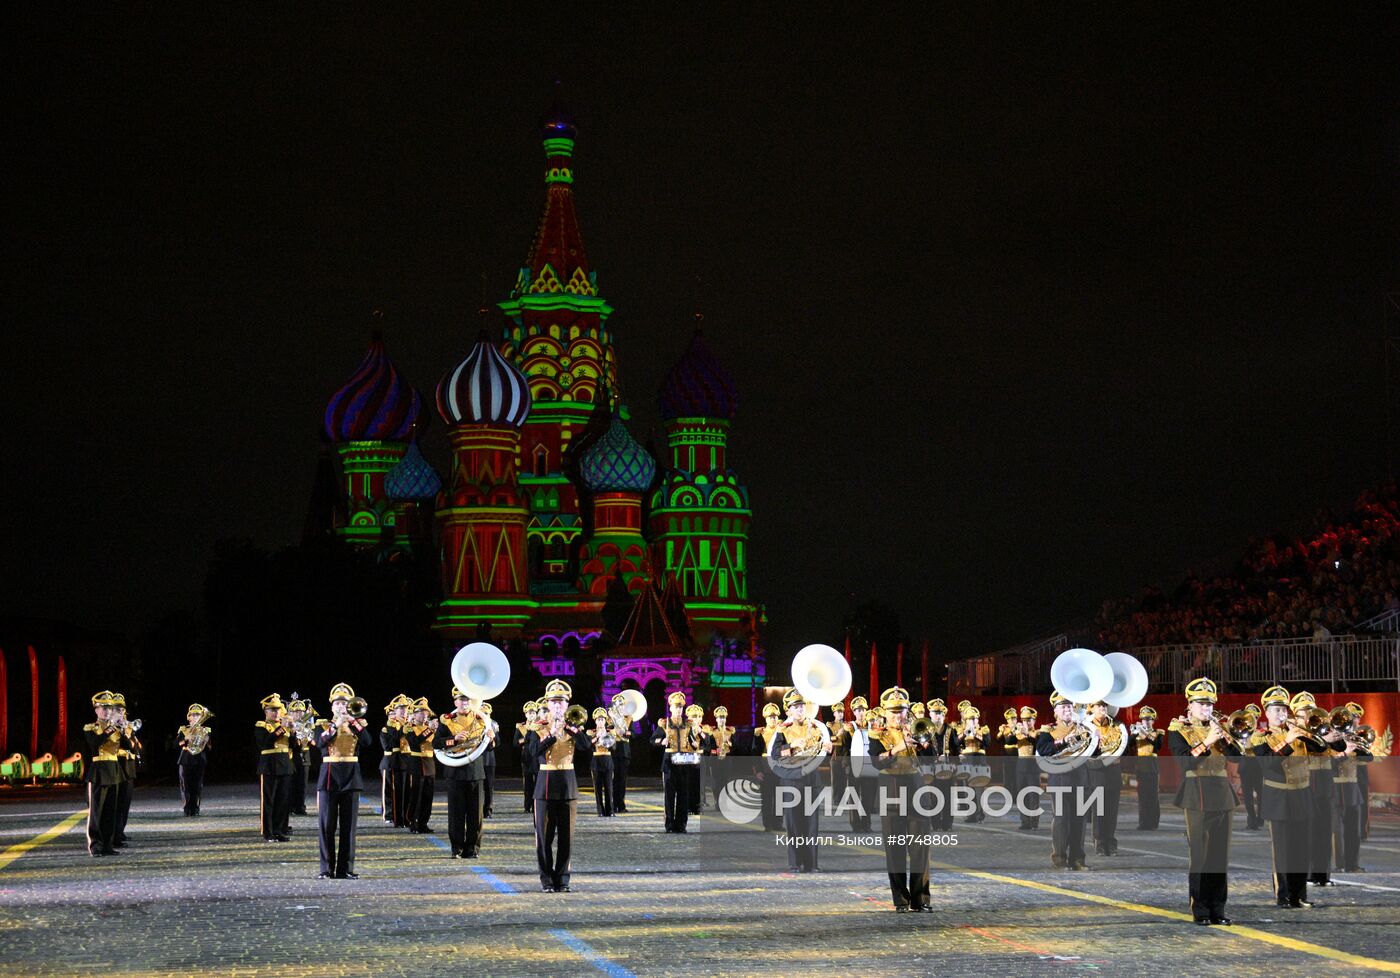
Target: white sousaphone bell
482, 672
1084, 676
633, 707
822, 675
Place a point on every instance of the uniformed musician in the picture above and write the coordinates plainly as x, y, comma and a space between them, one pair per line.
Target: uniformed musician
1105, 773
193, 740
1323, 790
422, 727
462, 731
129, 756
767, 780
1286, 799
721, 735
1252, 778
301, 749
799, 743
1350, 801
529, 764
1067, 825
488, 764
946, 750
1207, 798
864, 776
601, 738
1027, 770
272, 736
393, 739
973, 736
1005, 737
1146, 748
556, 791
621, 753
340, 739
679, 778
840, 730
906, 850
105, 737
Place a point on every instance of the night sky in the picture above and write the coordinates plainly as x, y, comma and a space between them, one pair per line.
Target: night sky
1026, 306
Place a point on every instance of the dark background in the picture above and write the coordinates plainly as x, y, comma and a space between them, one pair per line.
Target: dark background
1026, 306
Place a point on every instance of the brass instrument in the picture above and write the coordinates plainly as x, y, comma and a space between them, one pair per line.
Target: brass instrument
1082, 741
576, 716
921, 733
357, 707
196, 738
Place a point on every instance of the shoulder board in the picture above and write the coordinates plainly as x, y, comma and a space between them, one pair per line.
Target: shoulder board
445, 717
1257, 738
1175, 725
92, 728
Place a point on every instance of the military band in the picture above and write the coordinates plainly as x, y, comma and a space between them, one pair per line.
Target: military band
106, 737
272, 737
554, 742
340, 738
193, 740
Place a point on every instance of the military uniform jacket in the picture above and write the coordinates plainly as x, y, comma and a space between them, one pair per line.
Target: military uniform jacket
623, 746
1346, 776
394, 742
420, 747
793, 736
103, 764
557, 780
128, 757
449, 726
946, 742
1205, 780
338, 771
723, 739
188, 758
840, 737
1286, 793
1045, 746
1149, 746
274, 748
488, 759
679, 736
528, 762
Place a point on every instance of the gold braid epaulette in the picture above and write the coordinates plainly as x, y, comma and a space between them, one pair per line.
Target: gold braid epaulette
1257, 738
1176, 725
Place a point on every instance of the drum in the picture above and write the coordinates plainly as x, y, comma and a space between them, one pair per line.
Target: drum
977, 773
945, 770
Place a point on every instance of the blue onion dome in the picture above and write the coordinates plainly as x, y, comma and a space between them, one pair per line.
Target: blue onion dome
412, 479
698, 387
616, 463
376, 404
485, 388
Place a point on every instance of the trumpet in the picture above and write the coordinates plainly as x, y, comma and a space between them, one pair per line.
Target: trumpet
357, 707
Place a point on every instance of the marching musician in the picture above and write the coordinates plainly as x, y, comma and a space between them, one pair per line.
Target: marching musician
973, 737
840, 731
799, 740
461, 731
556, 791
340, 738
602, 739
129, 757
300, 744
721, 735
106, 737
488, 764
1006, 737
393, 766
1323, 788
1104, 773
1363, 778
1067, 825
695, 719
422, 727
767, 783
863, 776
906, 850
529, 764
946, 748
272, 735
1147, 745
1027, 770
1252, 778
673, 736
1286, 799
1350, 801
193, 741
621, 753
1206, 797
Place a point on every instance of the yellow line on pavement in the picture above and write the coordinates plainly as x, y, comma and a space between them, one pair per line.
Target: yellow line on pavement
1252, 933
49, 834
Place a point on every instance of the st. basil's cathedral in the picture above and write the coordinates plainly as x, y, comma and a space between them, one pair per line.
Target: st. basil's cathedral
552, 511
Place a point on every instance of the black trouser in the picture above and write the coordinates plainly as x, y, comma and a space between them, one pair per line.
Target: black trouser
276, 811
386, 794
464, 816
299, 788
1106, 824
697, 789
1349, 837
906, 859
840, 778
602, 783
401, 797
1149, 794
531, 775
412, 785
868, 791
1251, 786
1067, 833
554, 838
1028, 775
1291, 857
800, 828
488, 785
676, 781
941, 820
102, 816
423, 802
619, 783
1208, 842
772, 821
1319, 838
336, 814
192, 782
123, 808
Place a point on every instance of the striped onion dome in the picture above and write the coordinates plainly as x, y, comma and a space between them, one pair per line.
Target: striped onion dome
616, 463
485, 388
376, 404
412, 479
698, 387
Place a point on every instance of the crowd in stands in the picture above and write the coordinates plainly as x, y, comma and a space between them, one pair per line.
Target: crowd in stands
1346, 571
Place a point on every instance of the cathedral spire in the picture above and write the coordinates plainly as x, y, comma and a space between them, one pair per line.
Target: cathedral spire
557, 261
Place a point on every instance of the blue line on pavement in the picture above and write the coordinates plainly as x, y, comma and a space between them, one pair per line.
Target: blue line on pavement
496, 883
586, 951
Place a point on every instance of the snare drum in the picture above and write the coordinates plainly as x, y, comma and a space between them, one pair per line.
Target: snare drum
977, 774
685, 757
945, 770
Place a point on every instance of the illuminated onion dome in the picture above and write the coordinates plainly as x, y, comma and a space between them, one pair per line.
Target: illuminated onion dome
616, 463
698, 387
412, 479
376, 404
485, 388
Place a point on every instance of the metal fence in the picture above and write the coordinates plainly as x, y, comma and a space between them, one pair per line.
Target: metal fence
1346, 663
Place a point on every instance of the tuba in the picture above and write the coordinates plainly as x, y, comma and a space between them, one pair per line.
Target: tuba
821, 674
